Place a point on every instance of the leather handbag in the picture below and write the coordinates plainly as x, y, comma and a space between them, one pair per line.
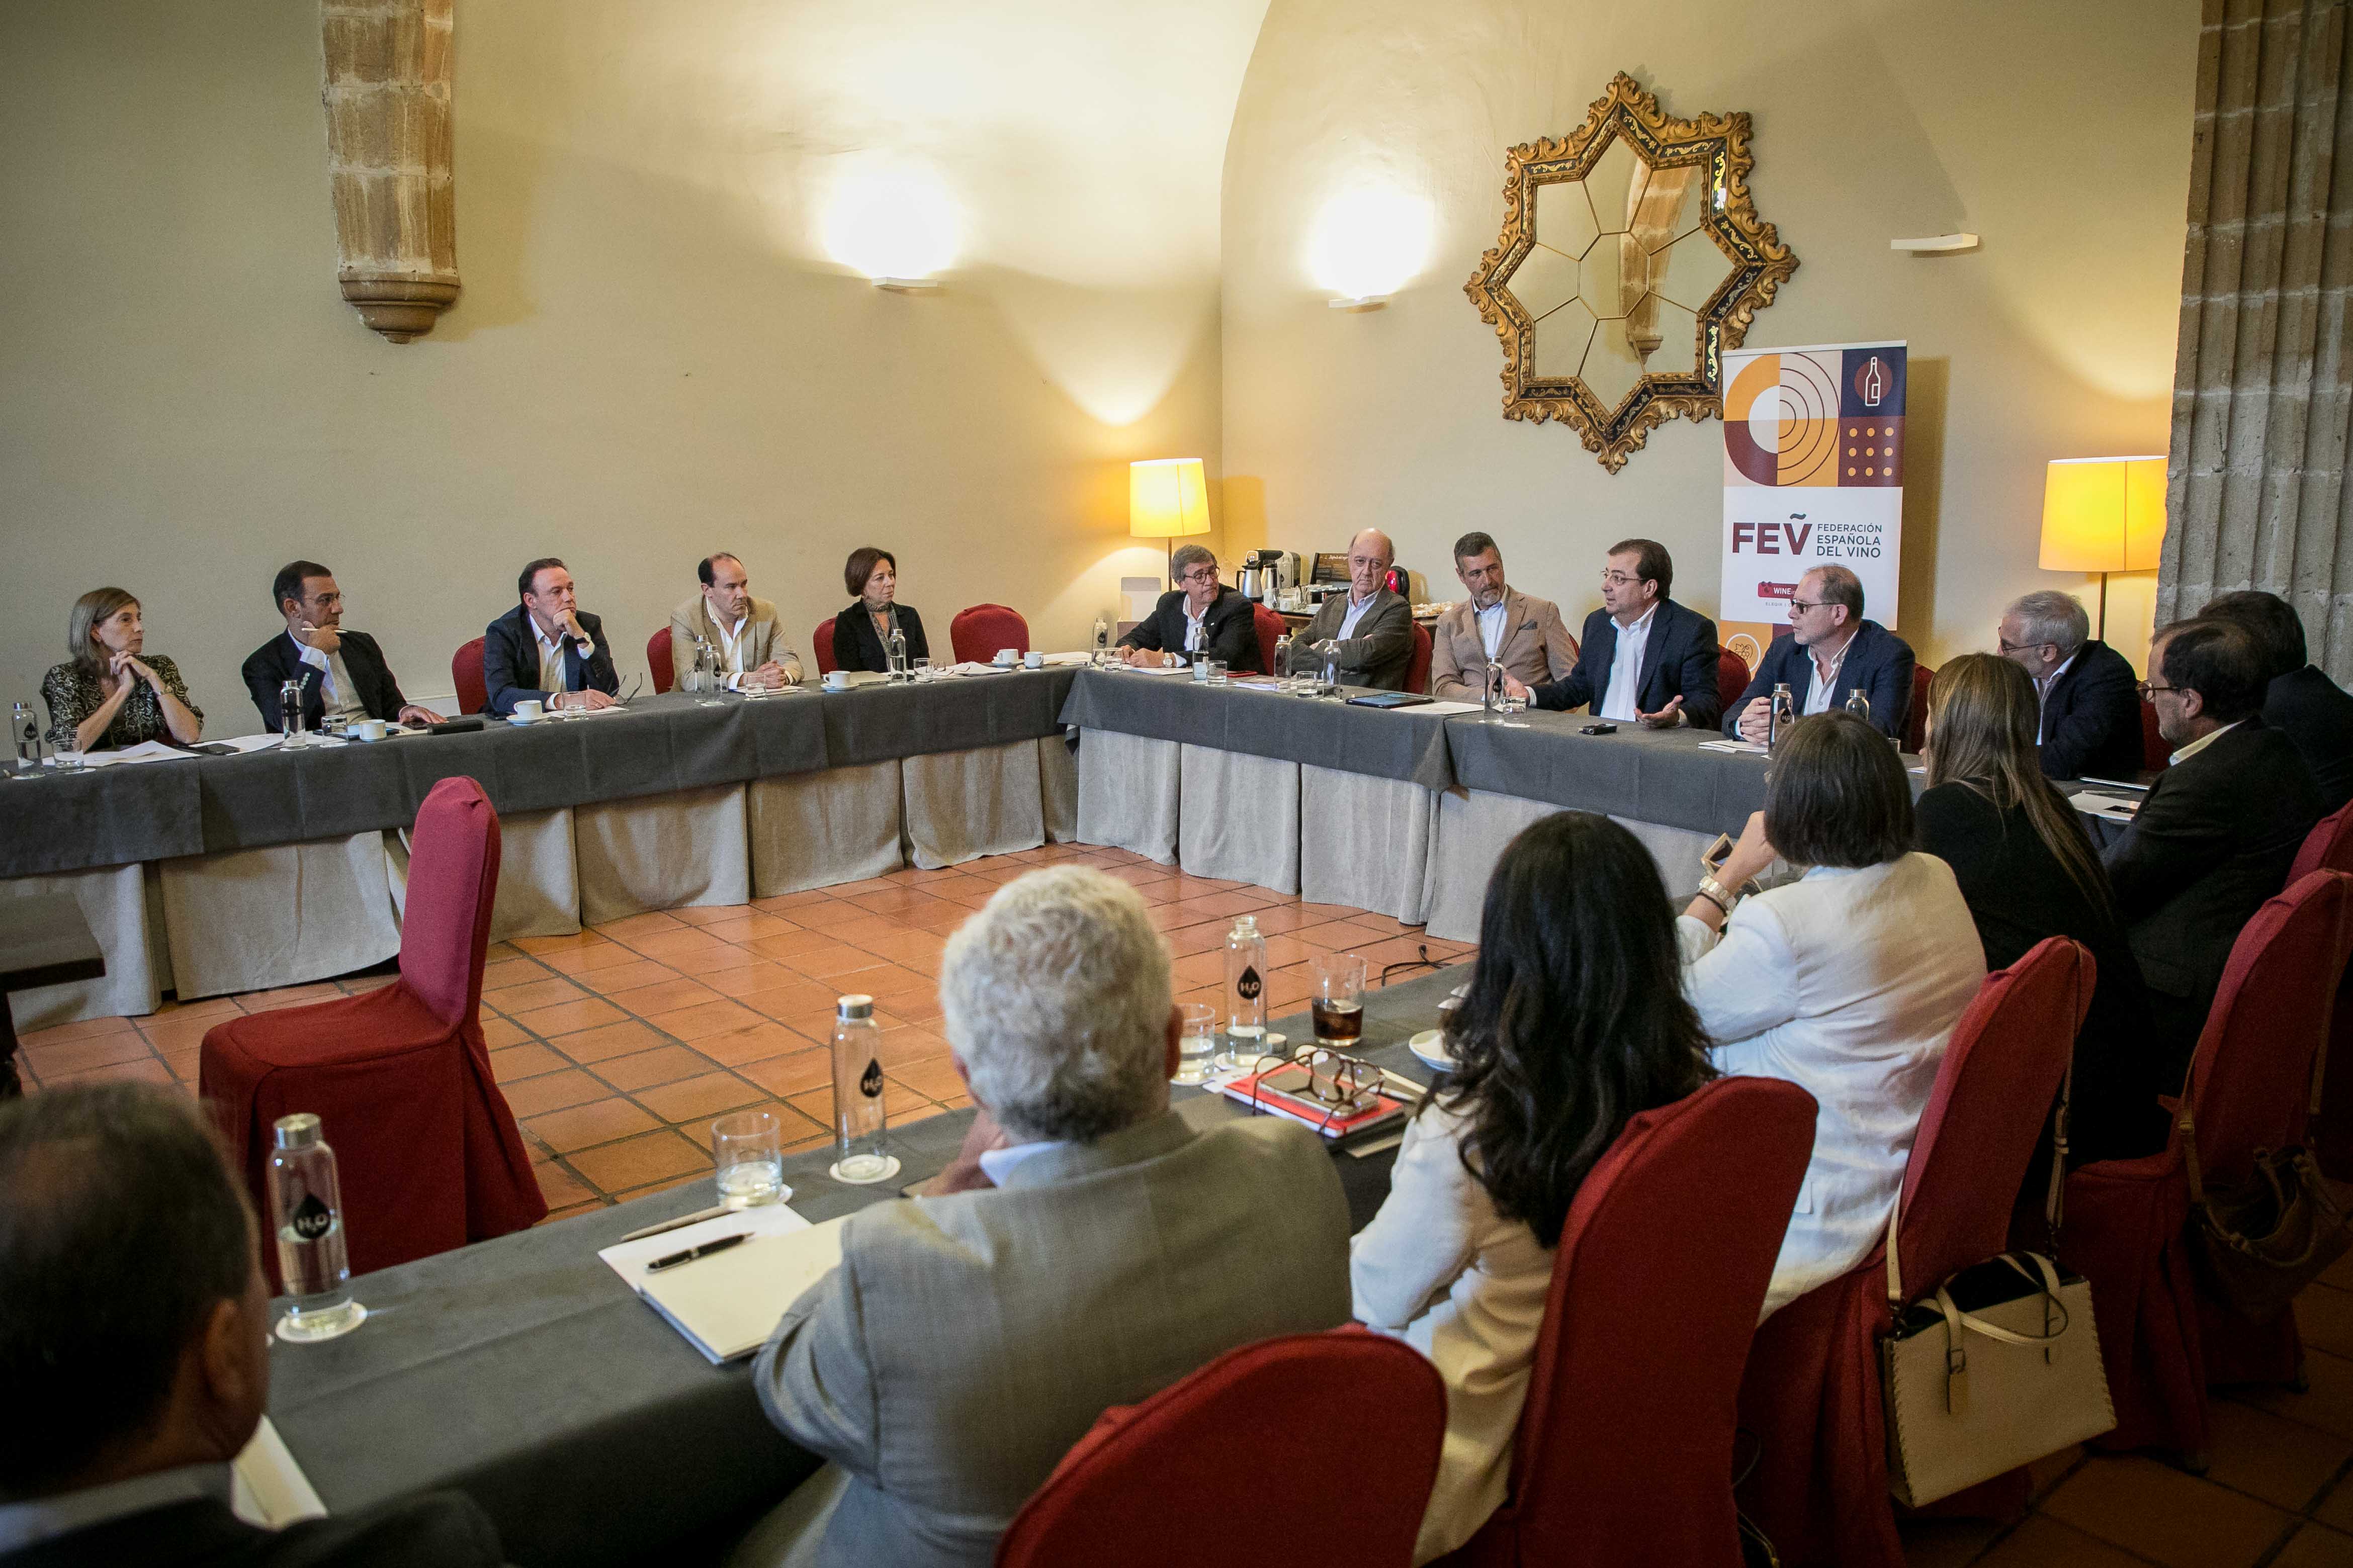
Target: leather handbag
2260, 1242
1998, 1367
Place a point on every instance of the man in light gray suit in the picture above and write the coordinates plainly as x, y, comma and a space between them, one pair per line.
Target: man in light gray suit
741, 630
1086, 1249
1369, 629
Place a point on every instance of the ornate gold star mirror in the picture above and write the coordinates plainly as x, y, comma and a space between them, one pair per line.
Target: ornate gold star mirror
1631, 258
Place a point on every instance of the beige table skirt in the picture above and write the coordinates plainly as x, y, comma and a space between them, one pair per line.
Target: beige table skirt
1474, 827
1128, 789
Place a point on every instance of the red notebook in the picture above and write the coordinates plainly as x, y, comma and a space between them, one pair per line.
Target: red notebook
1315, 1114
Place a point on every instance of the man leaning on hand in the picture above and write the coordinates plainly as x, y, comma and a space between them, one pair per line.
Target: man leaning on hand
547, 649
343, 673
741, 630
1494, 624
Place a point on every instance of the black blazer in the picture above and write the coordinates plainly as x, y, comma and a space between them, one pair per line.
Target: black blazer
2315, 712
2019, 893
2091, 719
856, 645
2214, 839
510, 661
1678, 660
1877, 660
1230, 630
447, 1530
280, 660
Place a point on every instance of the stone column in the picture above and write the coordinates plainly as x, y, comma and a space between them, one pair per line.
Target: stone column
388, 157
2256, 496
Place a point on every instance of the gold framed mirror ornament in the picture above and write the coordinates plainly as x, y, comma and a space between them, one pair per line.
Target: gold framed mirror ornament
1631, 258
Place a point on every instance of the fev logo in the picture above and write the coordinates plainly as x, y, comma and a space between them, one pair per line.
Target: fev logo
1249, 985
312, 1219
870, 1082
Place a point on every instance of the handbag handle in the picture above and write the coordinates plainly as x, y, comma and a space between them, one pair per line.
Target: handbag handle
2055, 1320
2053, 1200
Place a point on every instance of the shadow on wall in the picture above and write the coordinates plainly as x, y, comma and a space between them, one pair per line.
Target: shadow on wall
1927, 384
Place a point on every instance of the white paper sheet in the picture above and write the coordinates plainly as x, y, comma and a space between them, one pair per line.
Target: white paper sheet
249, 742
1446, 705
144, 752
1739, 748
628, 1258
2115, 808
267, 1488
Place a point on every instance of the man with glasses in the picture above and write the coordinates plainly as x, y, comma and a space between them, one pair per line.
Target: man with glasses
2091, 719
1830, 650
2217, 831
1367, 632
1494, 624
1646, 659
1196, 620
343, 673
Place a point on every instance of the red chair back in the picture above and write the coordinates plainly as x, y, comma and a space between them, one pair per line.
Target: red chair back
465, 675
2327, 847
1346, 1419
821, 645
977, 632
658, 661
1732, 678
1625, 1447
1416, 670
453, 880
1270, 626
2156, 750
1915, 718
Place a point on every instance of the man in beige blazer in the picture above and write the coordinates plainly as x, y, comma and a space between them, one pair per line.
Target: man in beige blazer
1523, 633
1090, 1247
744, 631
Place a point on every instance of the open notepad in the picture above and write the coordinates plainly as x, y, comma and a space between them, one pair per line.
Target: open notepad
729, 1303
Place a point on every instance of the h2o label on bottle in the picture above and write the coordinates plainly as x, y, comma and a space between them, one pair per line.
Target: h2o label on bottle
870, 1082
312, 1219
1249, 985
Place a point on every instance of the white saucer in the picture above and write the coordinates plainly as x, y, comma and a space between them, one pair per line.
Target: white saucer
519, 719
1430, 1046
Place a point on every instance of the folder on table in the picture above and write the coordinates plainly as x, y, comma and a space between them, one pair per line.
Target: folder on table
729, 1303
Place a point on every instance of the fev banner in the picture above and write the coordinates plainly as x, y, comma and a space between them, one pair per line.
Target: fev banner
1813, 474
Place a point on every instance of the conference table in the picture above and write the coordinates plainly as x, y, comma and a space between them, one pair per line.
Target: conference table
523, 1372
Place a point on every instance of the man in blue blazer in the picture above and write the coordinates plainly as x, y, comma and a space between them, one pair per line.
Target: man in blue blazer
1643, 657
1829, 651
547, 649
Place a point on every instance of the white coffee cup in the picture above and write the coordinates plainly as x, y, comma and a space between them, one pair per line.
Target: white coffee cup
837, 680
1008, 655
529, 708
367, 729
1033, 660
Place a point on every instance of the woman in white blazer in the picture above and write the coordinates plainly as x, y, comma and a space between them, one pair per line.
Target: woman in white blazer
1846, 982
1575, 1023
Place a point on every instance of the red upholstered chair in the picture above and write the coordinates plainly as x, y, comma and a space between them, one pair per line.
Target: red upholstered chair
1416, 670
1270, 626
1812, 1393
2156, 750
399, 1076
977, 632
2164, 1339
658, 661
1343, 1430
1625, 1447
1915, 718
2330, 1137
821, 645
465, 675
1732, 678
2327, 847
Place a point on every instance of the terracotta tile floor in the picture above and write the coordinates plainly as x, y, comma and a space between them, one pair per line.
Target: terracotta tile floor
616, 1047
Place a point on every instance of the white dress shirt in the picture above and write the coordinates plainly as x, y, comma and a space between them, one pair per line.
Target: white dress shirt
550, 656
731, 651
1196, 632
1821, 692
36, 1520
1491, 627
2203, 741
1440, 1269
341, 699
1355, 612
1624, 700
2042, 693
1847, 983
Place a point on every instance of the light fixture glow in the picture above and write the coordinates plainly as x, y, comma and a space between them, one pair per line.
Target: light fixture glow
896, 225
1366, 244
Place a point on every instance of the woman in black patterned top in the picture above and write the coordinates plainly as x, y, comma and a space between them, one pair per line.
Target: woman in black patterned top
109, 694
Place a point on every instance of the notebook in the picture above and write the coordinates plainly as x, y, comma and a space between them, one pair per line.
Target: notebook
1252, 1093
729, 1303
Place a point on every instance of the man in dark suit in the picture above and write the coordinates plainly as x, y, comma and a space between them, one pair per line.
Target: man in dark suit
1368, 631
343, 674
2090, 697
547, 649
135, 1350
2300, 701
1196, 620
1643, 657
1829, 651
2217, 830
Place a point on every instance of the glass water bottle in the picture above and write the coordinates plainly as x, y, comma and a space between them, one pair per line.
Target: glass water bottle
1858, 704
1245, 995
1779, 714
306, 1210
859, 1157
27, 731
895, 648
290, 713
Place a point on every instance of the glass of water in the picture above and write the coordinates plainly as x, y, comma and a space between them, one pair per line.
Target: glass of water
1197, 1042
745, 1148
67, 752
923, 670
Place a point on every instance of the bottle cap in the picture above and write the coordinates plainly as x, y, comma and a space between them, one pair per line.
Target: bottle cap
300, 1130
1245, 925
855, 1006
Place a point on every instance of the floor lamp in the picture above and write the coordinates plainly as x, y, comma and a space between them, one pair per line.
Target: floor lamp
2103, 515
1168, 497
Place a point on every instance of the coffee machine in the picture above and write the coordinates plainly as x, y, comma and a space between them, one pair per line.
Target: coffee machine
1266, 573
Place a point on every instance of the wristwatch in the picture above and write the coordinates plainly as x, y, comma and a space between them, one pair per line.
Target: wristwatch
1717, 893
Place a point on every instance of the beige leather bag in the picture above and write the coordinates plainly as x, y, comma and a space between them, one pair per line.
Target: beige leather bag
1998, 1367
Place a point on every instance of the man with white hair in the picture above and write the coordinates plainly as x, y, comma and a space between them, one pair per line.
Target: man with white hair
2091, 708
1367, 631
1086, 1249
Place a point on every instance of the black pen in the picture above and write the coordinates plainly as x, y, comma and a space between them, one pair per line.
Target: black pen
691, 1253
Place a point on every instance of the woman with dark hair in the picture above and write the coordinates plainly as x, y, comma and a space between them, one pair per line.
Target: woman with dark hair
861, 633
1575, 1022
109, 693
1846, 982
2029, 872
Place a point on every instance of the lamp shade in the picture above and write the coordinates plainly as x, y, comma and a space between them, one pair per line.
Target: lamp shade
2103, 514
1168, 497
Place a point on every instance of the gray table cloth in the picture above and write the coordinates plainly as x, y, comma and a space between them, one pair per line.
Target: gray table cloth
1390, 743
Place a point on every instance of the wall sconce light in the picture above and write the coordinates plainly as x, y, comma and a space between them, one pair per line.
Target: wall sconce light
897, 226
1368, 243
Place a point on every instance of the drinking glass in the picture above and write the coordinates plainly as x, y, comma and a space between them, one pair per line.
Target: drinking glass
1197, 1042
1216, 672
66, 752
923, 670
746, 1150
1338, 1006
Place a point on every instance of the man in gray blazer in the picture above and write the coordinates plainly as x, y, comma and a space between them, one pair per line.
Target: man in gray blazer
741, 630
1086, 1249
1370, 628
